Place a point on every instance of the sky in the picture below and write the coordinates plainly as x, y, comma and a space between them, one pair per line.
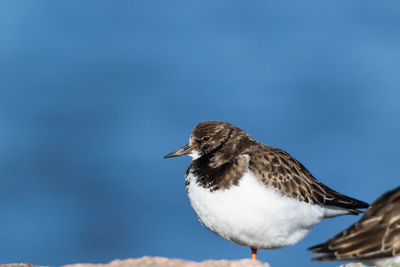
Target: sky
94, 93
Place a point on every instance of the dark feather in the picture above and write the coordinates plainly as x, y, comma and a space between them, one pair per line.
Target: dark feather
375, 235
276, 168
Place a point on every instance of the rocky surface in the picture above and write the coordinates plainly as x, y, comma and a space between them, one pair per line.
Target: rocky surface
352, 265
166, 262
161, 262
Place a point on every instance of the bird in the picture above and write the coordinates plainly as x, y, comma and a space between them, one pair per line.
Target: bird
373, 240
253, 194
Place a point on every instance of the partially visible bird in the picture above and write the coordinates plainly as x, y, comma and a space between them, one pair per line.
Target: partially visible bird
374, 239
252, 194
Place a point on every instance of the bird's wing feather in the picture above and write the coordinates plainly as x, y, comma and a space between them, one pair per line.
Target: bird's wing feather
276, 168
376, 235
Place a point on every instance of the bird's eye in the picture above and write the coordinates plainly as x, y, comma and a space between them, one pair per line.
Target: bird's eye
206, 138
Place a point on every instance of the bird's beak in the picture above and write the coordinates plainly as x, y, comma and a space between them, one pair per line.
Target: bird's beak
186, 149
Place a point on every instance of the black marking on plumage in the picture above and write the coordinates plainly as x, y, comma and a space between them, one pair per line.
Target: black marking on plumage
374, 236
223, 151
222, 167
276, 168
187, 183
222, 176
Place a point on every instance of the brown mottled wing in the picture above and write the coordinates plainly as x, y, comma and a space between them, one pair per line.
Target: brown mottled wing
276, 168
376, 235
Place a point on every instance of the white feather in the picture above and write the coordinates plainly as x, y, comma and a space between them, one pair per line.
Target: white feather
195, 154
253, 215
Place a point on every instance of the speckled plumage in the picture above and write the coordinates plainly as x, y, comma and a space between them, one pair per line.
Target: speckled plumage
375, 237
253, 194
220, 166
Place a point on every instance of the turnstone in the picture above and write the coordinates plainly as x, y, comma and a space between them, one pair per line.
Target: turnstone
252, 194
374, 239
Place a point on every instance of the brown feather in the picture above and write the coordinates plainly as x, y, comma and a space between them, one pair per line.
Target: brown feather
375, 235
276, 168
273, 167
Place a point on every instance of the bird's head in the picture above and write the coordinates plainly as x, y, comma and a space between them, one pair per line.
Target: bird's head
206, 137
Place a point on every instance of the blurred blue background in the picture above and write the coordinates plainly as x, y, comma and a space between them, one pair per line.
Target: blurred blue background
94, 93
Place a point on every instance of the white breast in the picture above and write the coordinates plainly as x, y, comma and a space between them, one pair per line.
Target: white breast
253, 215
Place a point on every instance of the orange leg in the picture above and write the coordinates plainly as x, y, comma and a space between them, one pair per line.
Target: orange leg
254, 254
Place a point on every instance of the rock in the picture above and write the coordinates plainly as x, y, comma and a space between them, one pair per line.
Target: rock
352, 265
362, 265
166, 262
